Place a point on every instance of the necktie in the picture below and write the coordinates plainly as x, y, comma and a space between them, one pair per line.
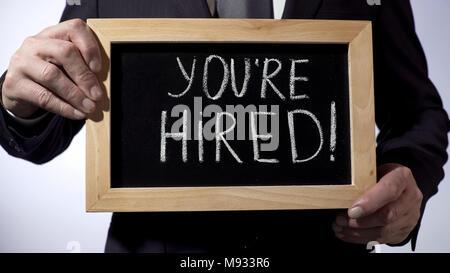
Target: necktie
244, 8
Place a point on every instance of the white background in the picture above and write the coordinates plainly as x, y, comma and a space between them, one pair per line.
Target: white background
42, 208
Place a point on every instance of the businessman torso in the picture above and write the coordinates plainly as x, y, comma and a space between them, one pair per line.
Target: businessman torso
293, 9
222, 231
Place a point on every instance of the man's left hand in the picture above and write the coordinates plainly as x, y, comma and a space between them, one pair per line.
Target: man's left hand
386, 213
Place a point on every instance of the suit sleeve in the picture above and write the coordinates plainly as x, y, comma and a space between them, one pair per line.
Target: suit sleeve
50, 137
409, 113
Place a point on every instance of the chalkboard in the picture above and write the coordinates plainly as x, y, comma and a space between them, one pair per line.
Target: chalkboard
206, 115
150, 79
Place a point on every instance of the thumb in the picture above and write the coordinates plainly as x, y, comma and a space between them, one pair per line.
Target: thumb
387, 190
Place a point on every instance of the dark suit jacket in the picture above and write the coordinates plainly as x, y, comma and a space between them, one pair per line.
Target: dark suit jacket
413, 131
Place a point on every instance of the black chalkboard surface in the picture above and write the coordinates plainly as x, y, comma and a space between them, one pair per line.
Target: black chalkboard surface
295, 96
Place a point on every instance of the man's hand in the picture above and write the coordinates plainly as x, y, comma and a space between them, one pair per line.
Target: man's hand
386, 213
54, 70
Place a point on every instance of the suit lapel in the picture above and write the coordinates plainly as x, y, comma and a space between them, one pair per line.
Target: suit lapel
301, 9
153, 9
194, 9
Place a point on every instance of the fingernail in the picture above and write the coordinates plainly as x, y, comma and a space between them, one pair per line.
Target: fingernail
341, 221
78, 114
94, 66
96, 92
88, 105
355, 212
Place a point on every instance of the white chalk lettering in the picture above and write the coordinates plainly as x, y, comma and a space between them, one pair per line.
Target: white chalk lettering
292, 134
246, 78
227, 125
333, 130
220, 136
256, 136
266, 78
294, 78
186, 77
165, 135
226, 75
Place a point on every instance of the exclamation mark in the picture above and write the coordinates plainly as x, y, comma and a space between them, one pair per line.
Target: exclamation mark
333, 130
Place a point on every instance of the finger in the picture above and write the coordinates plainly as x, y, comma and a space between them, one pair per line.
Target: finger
387, 190
360, 236
392, 233
51, 77
40, 96
398, 231
396, 210
388, 214
81, 35
66, 54
353, 239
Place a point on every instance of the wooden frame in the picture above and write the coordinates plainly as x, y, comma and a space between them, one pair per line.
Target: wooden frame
358, 34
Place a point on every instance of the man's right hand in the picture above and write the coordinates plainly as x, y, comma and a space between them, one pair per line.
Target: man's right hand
54, 70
